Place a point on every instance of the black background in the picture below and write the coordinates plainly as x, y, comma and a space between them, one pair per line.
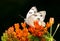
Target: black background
11, 9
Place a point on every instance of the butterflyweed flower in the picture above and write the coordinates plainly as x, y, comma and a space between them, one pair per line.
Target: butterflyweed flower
49, 24
23, 25
51, 21
35, 33
10, 30
17, 26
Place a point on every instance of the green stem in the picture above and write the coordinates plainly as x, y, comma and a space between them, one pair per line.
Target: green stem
51, 31
56, 29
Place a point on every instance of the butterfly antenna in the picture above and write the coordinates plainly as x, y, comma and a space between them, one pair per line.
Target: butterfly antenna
21, 16
56, 30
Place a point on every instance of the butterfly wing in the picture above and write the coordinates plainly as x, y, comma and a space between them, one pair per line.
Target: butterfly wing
32, 11
28, 18
42, 15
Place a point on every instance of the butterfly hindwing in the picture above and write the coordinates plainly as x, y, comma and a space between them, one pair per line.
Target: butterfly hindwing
42, 15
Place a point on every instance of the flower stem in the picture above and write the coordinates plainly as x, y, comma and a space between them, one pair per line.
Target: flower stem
56, 29
51, 31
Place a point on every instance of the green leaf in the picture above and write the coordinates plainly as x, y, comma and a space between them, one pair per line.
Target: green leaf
36, 39
33, 38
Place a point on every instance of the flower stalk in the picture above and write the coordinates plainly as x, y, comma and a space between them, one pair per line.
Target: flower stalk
56, 29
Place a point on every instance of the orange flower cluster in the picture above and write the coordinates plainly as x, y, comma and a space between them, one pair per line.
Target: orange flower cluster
22, 34
17, 32
40, 30
50, 23
37, 30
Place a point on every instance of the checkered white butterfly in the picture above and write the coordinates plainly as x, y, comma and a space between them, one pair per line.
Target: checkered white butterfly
33, 15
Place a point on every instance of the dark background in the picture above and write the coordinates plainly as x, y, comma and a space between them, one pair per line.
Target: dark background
11, 9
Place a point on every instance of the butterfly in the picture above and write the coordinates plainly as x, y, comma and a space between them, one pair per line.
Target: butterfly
33, 15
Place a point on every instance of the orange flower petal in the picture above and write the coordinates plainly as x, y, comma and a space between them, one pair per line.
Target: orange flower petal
23, 25
17, 26
48, 25
36, 24
51, 21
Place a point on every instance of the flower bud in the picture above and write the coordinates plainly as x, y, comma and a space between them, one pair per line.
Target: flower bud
51, 21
